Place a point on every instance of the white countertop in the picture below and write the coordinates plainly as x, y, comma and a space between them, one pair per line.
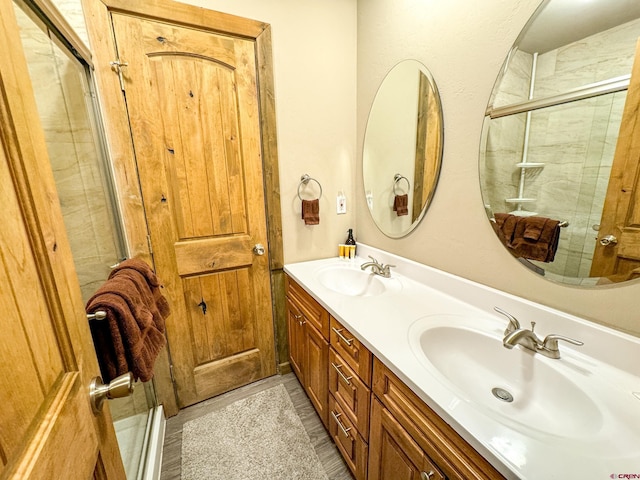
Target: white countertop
608, 448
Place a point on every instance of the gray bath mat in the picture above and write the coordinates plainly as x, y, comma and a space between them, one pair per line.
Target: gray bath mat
257, 437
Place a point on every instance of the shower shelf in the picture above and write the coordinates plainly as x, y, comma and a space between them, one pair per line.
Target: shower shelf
530, 165
520, 200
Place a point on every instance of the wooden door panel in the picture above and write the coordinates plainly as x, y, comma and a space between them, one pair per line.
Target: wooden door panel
198, 154
205, 166
196, 257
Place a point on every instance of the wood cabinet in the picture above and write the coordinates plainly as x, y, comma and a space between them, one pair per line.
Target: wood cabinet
308, 325
405, 431
349, 397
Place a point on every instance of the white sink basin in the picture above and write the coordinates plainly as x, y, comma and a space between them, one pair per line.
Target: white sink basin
350, 280
517, 387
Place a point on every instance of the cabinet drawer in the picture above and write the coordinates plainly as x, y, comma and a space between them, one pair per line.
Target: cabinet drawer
308, 306
356, 355
450, 452
352, 446
354, 396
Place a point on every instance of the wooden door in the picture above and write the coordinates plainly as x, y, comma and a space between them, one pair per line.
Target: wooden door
621, 213
47, 428
392, 451
193, 112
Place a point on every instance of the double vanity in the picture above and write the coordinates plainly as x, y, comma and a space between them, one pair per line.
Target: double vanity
485, 388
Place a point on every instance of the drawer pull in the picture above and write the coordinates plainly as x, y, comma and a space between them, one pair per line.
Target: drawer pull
336, 417
427, 475
342, 337
344, 377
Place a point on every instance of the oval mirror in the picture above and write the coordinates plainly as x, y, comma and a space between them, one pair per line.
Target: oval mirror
402, 149
560, 153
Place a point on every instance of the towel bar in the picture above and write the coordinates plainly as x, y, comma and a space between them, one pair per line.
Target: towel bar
98, 315
304, 180
396, 178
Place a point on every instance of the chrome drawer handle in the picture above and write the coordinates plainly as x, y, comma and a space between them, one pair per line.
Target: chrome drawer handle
344, 377
342, 427
342, 337
427, 475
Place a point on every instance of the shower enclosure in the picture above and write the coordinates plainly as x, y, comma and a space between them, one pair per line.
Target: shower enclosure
61, 79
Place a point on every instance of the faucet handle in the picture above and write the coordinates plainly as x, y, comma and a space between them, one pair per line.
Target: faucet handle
550, 343
514, 324
374, 260
386, 270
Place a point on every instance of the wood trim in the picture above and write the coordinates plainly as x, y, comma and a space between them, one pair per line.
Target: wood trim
189, 16
114, 110
267, 105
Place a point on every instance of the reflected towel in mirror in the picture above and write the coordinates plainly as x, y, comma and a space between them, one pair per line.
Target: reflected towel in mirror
401, 204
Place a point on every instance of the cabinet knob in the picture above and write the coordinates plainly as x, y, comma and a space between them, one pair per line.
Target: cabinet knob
427, 475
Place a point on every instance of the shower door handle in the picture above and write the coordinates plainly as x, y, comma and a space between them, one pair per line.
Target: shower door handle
119, 387
608, 240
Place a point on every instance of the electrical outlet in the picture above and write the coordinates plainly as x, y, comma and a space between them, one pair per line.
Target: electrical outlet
341, 204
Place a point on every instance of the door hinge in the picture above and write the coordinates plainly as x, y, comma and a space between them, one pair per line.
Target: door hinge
117, 66
149, 244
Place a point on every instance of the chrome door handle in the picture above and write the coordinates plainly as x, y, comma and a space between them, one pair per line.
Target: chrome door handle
119, 387
258, 249
608, 240
426, 475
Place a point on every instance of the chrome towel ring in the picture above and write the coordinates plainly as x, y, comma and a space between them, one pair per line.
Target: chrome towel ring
396, 178
304, 180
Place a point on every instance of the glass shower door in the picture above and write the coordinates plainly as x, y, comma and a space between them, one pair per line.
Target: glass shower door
62, 87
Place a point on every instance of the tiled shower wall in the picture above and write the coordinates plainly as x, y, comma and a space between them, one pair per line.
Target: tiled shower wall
575, 141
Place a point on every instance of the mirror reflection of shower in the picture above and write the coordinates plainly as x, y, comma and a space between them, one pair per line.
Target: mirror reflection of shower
549, 140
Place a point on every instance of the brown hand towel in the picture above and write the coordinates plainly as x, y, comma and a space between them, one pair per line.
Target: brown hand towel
311, 211
401, 204
132, 335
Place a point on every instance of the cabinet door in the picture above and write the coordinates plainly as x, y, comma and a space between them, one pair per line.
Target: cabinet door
296, 340
316, 371
393, 454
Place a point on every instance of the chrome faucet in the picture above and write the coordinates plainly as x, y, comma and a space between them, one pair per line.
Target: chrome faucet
515, 335
377, 267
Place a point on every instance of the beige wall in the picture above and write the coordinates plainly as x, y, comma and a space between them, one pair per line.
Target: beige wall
464, 46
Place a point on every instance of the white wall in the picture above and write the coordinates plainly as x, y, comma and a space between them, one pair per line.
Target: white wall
463, 44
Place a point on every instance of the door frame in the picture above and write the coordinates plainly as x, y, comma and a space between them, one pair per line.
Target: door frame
115, 116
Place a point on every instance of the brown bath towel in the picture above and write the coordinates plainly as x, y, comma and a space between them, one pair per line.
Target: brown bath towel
311, 211
401, 204
132, 335
533, 238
